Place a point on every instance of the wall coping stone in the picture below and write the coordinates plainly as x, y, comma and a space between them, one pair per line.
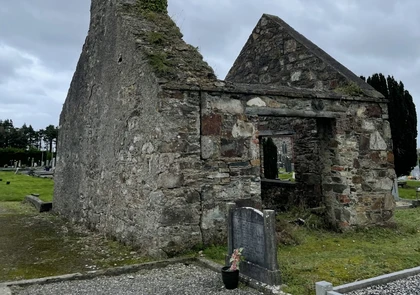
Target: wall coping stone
258, 89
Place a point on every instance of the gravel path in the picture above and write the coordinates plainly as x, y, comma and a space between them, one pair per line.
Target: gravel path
407, 286
179, 279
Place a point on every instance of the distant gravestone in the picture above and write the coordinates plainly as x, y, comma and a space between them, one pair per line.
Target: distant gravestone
394, 190
255, 231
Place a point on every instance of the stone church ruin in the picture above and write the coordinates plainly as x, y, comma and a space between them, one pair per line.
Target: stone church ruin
153, 146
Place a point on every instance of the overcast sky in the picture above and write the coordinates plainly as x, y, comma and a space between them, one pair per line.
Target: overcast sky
41, 40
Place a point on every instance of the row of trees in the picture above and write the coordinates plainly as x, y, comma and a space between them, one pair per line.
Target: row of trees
26, 137
403, 121
24, 143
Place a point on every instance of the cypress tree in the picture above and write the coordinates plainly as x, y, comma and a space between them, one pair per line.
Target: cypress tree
270, 158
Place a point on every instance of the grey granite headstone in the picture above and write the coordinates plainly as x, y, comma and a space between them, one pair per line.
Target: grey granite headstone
255, 231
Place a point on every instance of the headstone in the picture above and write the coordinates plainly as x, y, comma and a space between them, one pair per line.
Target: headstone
288, 165
394, 190
255, 232
32, 162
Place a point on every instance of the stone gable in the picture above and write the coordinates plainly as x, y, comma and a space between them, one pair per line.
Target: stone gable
276, 54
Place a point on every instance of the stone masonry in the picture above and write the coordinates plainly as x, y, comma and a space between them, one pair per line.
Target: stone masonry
152, 146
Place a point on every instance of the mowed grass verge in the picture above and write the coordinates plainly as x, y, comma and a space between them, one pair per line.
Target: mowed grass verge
22, 185
409, 190
308, 254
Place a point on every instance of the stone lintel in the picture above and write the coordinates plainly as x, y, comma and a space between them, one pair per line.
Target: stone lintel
275, 133
264, 111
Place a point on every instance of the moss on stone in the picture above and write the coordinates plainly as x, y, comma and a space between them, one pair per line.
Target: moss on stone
160, 62
351, 89
158, 6
156, 38
161, 42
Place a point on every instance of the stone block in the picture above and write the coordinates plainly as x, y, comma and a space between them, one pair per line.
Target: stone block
256, 102
231, 106
377, 142
357, 179
216, 175
364, 144
211, 124
232, 148
373, 111
238, 164
208, 147
180, 215
344, 199
321, 288
390, 157
243, 129
169, 180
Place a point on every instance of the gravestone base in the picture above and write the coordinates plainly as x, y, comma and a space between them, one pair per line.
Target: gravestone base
259, 273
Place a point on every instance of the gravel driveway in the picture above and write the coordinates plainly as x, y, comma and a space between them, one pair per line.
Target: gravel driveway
179, 279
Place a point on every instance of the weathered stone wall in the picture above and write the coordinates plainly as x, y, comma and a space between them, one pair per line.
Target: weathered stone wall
229, 148
307, 157
278, 195
129, 154
343, 146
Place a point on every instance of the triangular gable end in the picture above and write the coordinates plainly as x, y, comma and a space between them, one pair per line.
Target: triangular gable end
276, 54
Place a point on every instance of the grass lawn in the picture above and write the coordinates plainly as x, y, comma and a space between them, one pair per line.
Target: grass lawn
409, 190
309, 254
22, 185
286, 176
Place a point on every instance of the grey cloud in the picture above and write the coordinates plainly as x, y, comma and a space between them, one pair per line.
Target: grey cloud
366, 36
52, 30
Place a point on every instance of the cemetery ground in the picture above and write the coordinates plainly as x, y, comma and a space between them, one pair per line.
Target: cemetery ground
22, 185
409, 189
36, 245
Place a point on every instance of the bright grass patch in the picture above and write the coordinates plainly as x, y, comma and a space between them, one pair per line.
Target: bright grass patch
22, 185
409, 190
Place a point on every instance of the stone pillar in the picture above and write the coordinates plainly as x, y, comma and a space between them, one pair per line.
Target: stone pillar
270, 239
321, 288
